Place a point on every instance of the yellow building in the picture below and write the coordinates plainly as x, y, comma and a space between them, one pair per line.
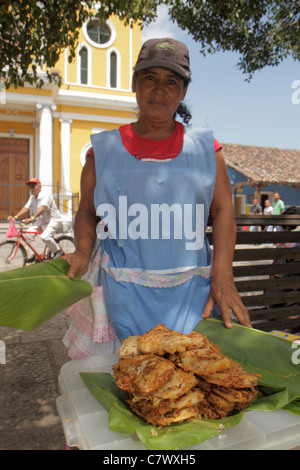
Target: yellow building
45, 133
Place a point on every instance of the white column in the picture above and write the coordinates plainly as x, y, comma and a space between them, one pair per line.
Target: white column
46, 144
65, 194
65, 152
130, 56
36, 126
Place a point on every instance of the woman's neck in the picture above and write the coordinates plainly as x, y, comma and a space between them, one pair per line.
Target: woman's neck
153, 130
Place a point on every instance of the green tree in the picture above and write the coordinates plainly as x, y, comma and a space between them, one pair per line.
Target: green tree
35, 33
264, 32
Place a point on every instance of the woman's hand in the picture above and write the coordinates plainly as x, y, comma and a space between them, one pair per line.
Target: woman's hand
223, 291
224, 294
79, 263
85, 223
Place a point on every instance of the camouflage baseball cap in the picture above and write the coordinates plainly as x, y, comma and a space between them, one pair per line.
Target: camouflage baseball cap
167, 53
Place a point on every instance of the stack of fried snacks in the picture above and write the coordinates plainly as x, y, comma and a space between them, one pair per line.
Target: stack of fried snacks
170, 377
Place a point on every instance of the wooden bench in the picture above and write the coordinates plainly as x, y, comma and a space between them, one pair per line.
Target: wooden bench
267, 275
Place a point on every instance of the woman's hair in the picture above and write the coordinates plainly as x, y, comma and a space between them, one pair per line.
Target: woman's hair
184, 113
183, 110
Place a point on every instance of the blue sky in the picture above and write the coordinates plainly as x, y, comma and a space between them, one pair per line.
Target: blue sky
260, 112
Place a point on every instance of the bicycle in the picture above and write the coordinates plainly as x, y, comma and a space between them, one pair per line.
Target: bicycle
13, 253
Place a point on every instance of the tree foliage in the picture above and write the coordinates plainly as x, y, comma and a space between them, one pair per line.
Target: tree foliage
34, 33
263, 32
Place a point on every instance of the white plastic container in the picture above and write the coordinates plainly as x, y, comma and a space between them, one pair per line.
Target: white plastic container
85, 421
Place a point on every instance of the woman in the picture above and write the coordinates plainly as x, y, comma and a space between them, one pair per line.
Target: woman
158, 272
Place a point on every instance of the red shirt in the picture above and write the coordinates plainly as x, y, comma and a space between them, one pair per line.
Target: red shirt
156, 149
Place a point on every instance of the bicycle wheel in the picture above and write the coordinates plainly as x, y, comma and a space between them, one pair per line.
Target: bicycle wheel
11, 257
66, 244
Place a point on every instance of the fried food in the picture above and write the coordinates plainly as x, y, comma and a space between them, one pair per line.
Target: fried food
235, 376
208, 411
170, 377
231, 395
203, 361
220, 401
160, 340
143, 374
130, 347
175, 416
162, 406
149, 374
180, 383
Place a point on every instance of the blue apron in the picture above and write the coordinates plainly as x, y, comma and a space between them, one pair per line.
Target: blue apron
156, 260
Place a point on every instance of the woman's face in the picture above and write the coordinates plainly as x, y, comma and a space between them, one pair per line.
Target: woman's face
159, 92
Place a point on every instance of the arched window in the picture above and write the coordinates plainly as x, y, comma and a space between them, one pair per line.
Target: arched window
84, 66
113, 70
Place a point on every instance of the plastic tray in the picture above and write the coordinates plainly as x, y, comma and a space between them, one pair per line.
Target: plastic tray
85, 421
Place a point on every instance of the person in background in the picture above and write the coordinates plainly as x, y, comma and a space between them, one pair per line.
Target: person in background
278, 209
268, 210
256, 209
292, 210
278, 204
164, 278
42, 212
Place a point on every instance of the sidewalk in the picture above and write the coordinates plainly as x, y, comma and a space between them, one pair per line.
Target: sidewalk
29, 387
29, 384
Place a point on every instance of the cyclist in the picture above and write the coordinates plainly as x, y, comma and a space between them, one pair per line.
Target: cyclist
41, 211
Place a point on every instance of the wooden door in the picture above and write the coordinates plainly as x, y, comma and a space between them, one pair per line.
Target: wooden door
14, 171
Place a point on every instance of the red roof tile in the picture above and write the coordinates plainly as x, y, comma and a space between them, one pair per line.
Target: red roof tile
264, 165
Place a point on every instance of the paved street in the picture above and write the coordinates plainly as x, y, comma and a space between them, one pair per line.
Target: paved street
29, 385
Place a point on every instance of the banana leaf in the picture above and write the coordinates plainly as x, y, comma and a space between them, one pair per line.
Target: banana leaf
271, 357
32, 295
266, 355
122, 420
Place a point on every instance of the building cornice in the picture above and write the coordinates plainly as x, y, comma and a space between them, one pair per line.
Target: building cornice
72, 98
27, 99
95, 100
93, 118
